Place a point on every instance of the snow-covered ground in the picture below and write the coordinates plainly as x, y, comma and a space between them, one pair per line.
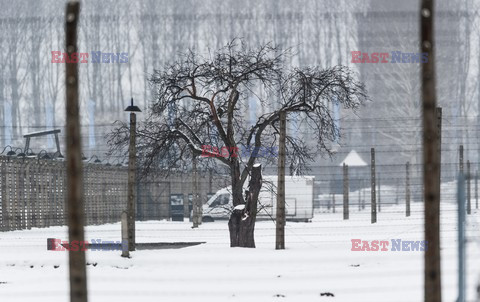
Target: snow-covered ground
318, 260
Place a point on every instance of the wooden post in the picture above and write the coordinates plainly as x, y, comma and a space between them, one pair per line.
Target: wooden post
469, 195
379, 201
5, 209
15, 189
23, 194
35, 188
54, 199
41, 188
280, 221
48, 190
461, 237
10, 195
106, 192
364, 192
333, 202
431, 169
210, 179
476, 190
124, 218
78, 274
103, 202
359, 199
460, 158
345, 192
407, 189
131, 183
373, 192
196, 208
98, 195
89, 171
199, 198
438, 112
29, 193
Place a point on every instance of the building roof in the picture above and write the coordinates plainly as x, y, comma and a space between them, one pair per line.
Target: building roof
353, 160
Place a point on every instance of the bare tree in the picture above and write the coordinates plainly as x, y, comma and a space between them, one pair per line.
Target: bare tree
208, 96
15, 47
35, 77
53, 72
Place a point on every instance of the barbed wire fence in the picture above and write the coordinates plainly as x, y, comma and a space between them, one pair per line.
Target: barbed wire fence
32, 190
32, 195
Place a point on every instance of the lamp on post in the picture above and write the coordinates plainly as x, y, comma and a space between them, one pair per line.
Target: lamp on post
131, 176
9, 153
43, 154
96, 161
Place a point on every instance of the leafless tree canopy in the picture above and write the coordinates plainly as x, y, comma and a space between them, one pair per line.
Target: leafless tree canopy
202, 100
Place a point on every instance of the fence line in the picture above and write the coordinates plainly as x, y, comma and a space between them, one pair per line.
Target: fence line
32, 193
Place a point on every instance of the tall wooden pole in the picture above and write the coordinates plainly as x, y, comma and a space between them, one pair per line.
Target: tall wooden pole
345, 192
364, 192
210, 179
431, 160
469, 189
379, 201
333, 201
476, 189
280, 221
132, 150
124, 227
196, 208
438, 112
76, 215
373, 192
460, 158
461, 237
407, 189
359, 199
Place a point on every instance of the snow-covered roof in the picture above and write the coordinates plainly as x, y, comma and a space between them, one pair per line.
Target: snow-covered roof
353, 160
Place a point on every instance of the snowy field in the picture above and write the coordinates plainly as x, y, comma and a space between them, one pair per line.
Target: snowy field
318, 260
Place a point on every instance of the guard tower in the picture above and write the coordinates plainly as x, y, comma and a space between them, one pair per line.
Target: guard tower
54, 132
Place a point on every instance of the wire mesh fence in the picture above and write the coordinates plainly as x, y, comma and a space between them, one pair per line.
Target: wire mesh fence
32, 191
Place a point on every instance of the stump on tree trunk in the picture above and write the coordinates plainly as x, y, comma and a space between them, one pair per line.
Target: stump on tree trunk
242, 220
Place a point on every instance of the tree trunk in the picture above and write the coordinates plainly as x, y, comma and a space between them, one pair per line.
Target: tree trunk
242, 221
